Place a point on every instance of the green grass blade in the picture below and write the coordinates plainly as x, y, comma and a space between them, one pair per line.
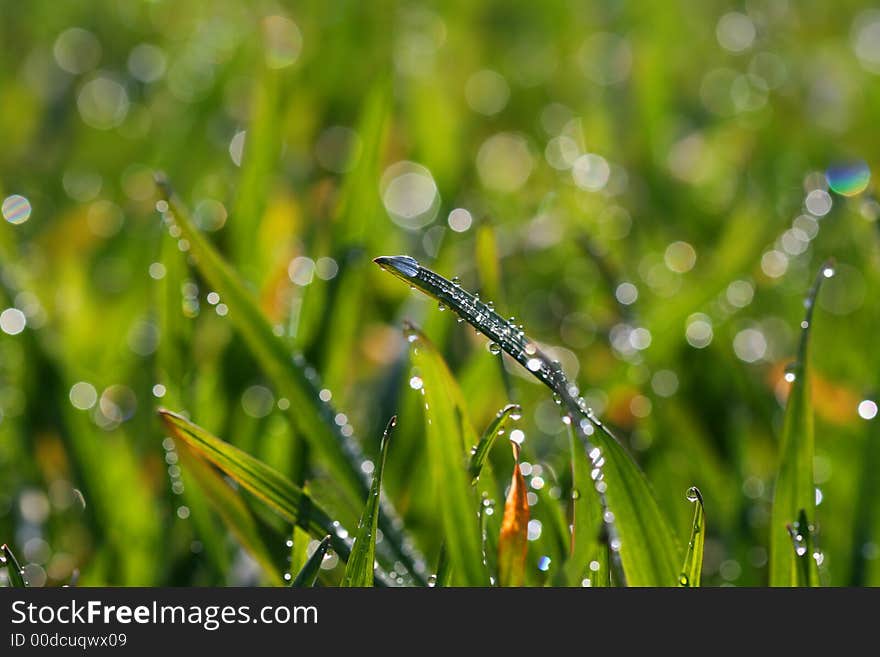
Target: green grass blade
495, 429
276, 491
311, 417
586, 517
13, 569
635, 520
513, 542
444, 572
308, 575
795, 490
693, 560
801, 534
359, 569
230, 507
599, 572
448, 432
647, 547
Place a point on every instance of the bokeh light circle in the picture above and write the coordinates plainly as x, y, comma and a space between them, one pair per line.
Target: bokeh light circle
16, 209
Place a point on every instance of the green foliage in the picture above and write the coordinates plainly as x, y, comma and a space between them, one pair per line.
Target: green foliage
359, 568
449, 435
794, 498
692, 569
272, 488
13, 569
651, 209
308, 574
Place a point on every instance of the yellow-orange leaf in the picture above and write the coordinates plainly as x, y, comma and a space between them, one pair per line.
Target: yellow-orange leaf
513, 542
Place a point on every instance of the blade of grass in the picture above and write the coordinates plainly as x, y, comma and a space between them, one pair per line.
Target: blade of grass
801, 534
308, 575
795, 490
231, 509
636, 520
586, 516
260, 158
359, 569
693, 560
513, 541
310, 416
495, 429
285, 498
448, 431
13, 569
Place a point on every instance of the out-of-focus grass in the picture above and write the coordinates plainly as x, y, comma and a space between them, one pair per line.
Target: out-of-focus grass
284, 128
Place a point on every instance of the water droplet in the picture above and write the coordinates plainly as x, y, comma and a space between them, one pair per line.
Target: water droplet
459, 319
456, 281
432, 581
516, 415
530, 348
693, 494
575, 494
683, 579
544, 563
805, 324
441, 306
556, 398
490, 305
494, 348
533, 364
790, 374
828, 271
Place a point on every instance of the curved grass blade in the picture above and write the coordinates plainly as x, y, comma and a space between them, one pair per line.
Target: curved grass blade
308, 575
294, 379
693, 560
270, 486
448, 435
230, 507
13, 569
495, 429
513, 541
795, 490
359, 569
636, 521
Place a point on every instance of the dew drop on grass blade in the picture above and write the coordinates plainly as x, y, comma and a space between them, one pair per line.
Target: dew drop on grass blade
638, 533
359, 569
801, 534
308, 575
693, 560
13, 569
795, 491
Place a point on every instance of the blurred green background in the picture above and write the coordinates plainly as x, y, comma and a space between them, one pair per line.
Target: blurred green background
649, 187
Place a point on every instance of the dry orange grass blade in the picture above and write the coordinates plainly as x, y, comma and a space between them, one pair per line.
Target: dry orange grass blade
513, 542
